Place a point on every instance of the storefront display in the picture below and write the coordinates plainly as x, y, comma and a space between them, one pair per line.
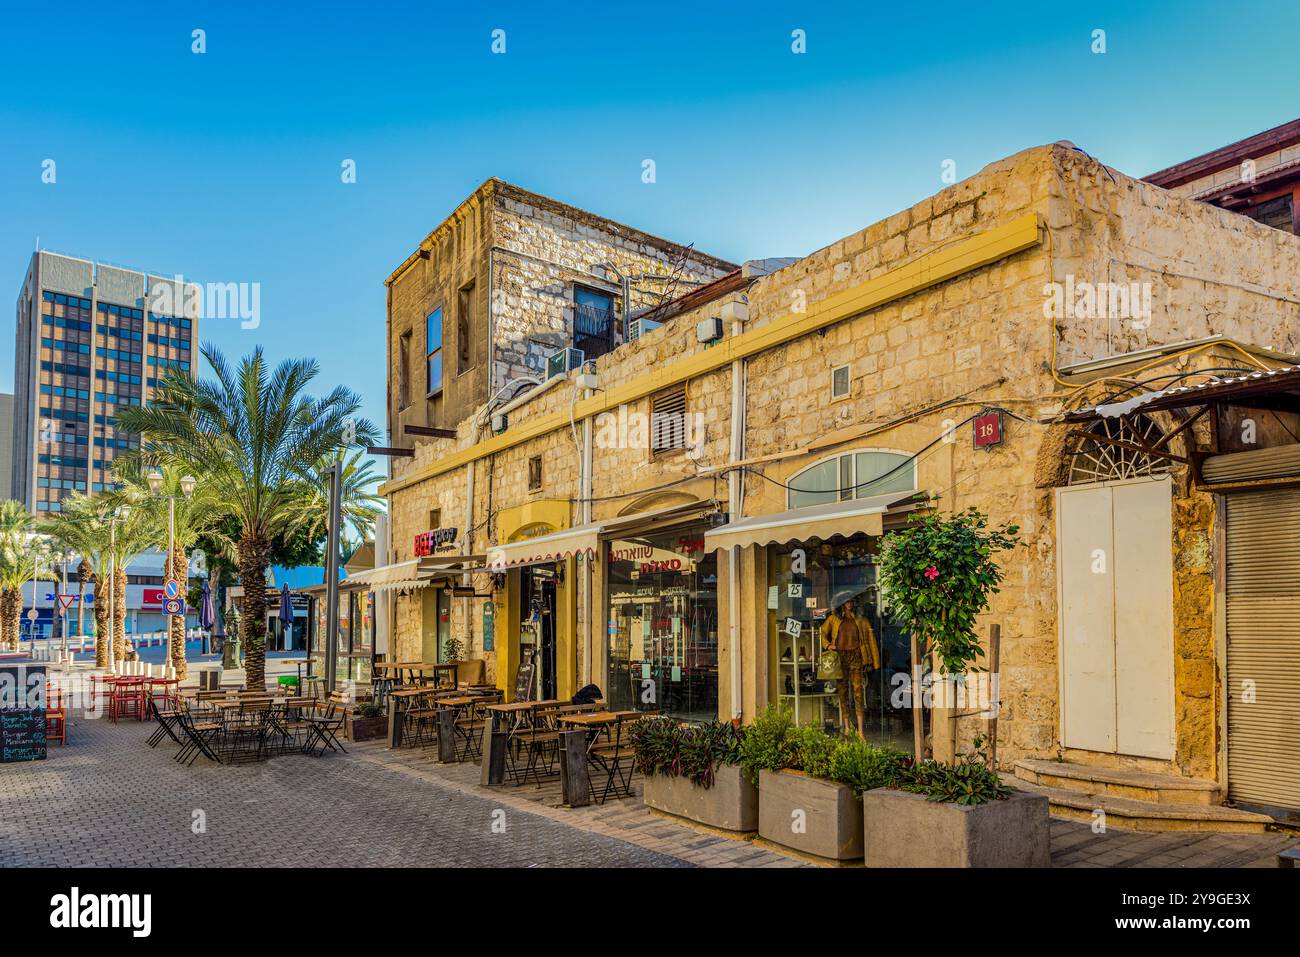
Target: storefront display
808, 587
663, 624
537, 625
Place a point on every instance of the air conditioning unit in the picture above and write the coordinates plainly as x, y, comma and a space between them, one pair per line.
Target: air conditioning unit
563, 362
639, 327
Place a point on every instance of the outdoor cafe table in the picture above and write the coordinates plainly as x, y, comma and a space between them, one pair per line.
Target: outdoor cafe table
503, 721
450, 708
573, 751
399, 702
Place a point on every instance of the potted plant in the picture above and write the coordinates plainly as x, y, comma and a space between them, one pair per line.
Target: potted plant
691, 771
810, 784
954, 815
937, 576
367, 722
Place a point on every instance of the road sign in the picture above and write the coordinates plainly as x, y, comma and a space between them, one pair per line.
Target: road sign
172, 588
65, 601
33, 614
174, 606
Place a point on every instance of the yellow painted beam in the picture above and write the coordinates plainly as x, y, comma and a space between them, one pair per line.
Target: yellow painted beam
940, 265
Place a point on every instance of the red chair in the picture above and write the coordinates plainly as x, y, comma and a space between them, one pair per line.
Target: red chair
167, 691
101, 690
56, 716
129, 695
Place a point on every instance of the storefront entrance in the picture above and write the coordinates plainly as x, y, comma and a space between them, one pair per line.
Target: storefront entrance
808, 587
663, 624
537, 625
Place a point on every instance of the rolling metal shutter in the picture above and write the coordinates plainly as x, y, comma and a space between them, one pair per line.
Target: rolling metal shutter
1280, 462
1263, 601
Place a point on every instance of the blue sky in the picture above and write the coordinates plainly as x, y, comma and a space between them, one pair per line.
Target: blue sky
226, 166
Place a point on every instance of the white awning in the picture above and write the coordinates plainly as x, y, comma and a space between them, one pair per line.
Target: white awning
399, 577
816, 522
558, 546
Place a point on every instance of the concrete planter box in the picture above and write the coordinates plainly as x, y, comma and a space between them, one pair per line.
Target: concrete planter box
903, 829
830, 822
731, 804
367, 729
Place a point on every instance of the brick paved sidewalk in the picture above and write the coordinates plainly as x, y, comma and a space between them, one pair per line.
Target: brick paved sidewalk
108, 800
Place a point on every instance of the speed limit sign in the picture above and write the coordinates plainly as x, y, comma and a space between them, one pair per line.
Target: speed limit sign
174, 606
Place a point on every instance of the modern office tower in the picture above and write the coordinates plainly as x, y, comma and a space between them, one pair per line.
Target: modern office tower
90, 338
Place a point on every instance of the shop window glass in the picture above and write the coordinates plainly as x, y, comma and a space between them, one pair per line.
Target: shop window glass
663, 625
807, 584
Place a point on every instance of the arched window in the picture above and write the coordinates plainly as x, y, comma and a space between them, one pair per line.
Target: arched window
852, 475
1120, 456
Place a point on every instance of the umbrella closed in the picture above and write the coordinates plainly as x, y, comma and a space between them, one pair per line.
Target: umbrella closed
207, 614
286, 616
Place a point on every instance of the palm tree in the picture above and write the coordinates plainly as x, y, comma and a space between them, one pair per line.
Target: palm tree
196, 514
255, 436
359, 506
84, 577
22, 554
84, 525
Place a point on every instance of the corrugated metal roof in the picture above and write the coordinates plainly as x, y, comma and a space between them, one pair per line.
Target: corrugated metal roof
1254, 383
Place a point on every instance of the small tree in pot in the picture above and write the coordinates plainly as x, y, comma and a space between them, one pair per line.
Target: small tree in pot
938, 574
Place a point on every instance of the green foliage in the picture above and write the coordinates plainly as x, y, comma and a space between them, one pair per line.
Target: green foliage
454, 649
769, 742
774, 743
966, 782
369, 710
663, 745
865, 766
938, 574
814, 751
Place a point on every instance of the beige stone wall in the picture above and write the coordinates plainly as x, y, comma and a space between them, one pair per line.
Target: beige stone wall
544, 249
979, 339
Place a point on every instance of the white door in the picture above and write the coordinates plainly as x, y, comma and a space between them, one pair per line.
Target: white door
1115, 578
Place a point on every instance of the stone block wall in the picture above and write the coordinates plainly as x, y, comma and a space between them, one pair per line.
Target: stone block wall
921, 366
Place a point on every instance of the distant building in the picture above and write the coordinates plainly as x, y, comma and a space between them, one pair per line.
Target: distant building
1258, 177
87, 342
6, 434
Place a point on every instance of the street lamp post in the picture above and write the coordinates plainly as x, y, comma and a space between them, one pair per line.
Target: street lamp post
188, 482
121, 512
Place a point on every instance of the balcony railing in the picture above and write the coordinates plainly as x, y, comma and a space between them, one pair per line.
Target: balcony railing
593, 329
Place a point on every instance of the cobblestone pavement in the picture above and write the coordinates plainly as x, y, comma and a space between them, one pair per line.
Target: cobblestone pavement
108, 800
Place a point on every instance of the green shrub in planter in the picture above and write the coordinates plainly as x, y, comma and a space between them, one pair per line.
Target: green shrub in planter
369, 710
769, 742
966, 782
663, 745
865, 766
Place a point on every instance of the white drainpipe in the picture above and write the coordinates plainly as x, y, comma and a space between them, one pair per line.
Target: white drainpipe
735, 508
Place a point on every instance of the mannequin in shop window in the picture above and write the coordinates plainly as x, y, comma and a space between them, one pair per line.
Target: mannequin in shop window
852, 639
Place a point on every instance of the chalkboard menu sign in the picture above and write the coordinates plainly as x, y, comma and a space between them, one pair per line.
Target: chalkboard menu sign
22, 735
524, 679
22, 712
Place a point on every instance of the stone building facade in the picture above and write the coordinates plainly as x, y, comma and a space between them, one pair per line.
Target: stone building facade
1044, 284
501, 271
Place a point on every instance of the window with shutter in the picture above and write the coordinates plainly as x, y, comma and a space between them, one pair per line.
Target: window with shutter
668, 421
